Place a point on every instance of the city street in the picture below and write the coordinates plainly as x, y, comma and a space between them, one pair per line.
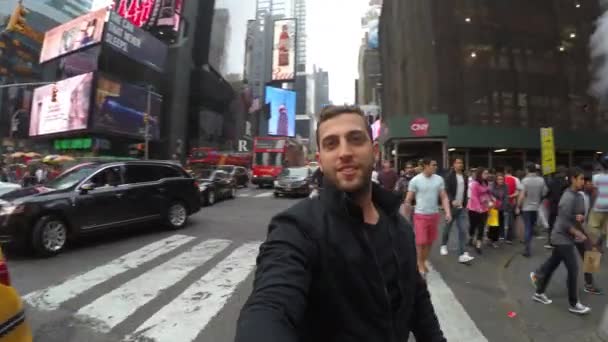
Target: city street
139, 284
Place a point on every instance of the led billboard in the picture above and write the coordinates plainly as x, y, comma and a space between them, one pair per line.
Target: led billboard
120, 108
149, 14
62, 106
135, 43
76, 34
282, 103
284, 50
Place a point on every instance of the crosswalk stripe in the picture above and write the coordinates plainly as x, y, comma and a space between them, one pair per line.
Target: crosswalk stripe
456, 324
113, 308
264, 194
51, 298
189, 314
243, 195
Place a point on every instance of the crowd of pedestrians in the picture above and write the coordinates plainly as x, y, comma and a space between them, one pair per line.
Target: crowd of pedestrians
571, 205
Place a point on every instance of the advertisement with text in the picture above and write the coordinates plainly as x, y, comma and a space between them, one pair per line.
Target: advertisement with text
283, 111
61, 107
76, 34
284, 50
135, 43
121, 107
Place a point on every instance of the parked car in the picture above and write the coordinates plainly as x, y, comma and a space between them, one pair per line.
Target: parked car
97, 196
13, 326
216, 185
7, 187
294, 181
239, 173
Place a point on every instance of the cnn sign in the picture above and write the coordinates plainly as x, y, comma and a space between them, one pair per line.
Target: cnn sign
420, 127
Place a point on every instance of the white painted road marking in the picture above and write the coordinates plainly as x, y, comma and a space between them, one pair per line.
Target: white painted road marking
113, 308
244, 195
186, 316
51, 298
264, 194
455, 322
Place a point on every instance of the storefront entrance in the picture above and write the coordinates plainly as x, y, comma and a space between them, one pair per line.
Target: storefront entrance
412, 150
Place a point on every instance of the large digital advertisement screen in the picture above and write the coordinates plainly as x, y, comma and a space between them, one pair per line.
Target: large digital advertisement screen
150, 13
284, 50
135, 43
283, 111
76, 34
120, 108
62, 106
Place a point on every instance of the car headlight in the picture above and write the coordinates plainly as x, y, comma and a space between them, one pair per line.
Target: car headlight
202, 188
276, 183
11, 209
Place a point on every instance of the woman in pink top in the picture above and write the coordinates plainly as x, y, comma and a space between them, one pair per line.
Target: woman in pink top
479, 203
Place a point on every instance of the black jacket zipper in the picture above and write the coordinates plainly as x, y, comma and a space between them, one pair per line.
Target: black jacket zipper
386, 295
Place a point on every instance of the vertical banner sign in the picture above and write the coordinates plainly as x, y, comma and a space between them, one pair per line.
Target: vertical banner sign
284, 50
548, 150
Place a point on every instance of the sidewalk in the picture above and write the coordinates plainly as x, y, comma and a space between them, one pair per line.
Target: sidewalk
498, 283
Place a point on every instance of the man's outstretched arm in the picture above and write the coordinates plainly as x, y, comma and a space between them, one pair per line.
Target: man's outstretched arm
278, 301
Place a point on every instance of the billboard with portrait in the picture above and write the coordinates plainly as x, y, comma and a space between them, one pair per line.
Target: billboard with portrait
284, 50
120, 108
74, 35
282, 103
62, 106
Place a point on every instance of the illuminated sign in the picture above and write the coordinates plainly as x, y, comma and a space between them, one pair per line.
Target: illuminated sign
73, 144
150, 13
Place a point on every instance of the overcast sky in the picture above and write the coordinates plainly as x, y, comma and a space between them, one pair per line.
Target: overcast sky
334, 36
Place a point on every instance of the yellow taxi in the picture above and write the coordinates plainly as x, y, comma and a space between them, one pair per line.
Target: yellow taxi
13, 327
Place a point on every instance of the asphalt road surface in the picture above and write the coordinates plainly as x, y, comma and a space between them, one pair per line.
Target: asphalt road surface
148, 284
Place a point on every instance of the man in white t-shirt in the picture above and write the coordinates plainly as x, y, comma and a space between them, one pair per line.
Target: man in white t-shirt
427, 188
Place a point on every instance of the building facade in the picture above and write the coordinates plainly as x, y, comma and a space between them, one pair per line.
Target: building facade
496, 72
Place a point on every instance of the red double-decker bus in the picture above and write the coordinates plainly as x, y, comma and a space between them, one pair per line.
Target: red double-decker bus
271, 155
211, 156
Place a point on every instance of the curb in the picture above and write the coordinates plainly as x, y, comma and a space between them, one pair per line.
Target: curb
602, 331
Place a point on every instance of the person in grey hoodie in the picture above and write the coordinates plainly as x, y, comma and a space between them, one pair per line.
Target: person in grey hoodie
566, 233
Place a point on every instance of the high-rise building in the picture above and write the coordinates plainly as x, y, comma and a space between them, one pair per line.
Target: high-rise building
259, 63
220, 39
481, 78
71, 8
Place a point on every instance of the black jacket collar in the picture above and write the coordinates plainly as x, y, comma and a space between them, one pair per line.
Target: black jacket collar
342, 202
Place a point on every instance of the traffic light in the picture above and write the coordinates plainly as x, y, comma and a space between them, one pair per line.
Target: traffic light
54, 94
17, 20
146, 118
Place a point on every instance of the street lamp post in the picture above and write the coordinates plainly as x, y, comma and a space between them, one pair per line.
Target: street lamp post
147, 125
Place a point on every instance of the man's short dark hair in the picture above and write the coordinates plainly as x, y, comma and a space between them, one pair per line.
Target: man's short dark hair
330, 112
426, 161
455, 158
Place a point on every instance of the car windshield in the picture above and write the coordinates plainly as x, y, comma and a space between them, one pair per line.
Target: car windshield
72, 176
228, 169
300, 172
205, 174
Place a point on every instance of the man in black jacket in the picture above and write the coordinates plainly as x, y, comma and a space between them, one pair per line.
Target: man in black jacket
457, 185
341, 266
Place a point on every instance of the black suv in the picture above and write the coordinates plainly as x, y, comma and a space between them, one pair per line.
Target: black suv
96, 196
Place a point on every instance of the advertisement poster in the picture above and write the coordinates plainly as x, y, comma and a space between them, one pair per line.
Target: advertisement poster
61, 107
120, 108
135, 43
148, 14
283, 111
76, 34
284, 50
547, 150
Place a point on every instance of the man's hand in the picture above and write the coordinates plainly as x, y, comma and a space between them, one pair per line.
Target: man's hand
456, 204
448, 217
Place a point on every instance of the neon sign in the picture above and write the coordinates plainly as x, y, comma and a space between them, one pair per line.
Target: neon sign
138, 12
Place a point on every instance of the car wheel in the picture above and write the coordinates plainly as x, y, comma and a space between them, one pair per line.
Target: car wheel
49, 236
177, 215
211, 197
276, 195
233, 192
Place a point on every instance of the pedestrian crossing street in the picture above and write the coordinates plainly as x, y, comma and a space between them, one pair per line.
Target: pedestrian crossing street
185, 316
